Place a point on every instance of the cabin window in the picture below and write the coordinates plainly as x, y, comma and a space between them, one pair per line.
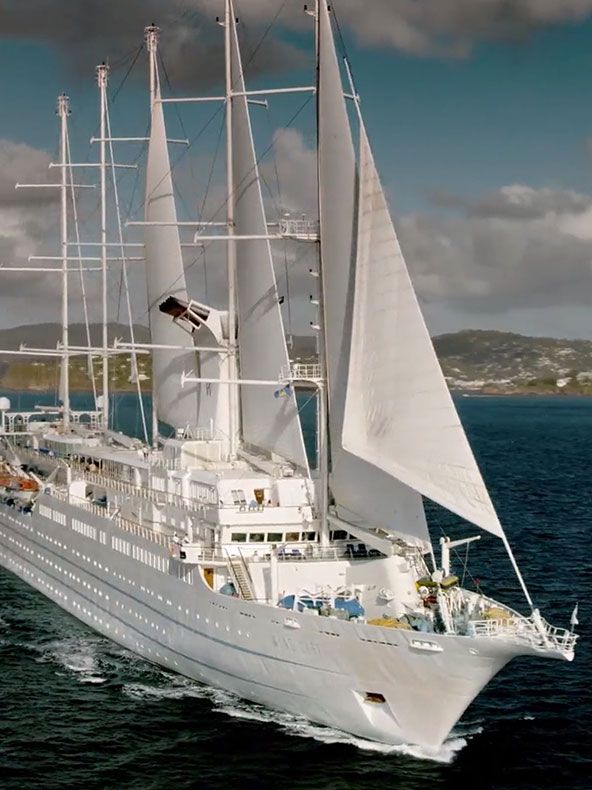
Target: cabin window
257, 537
309, 535
339, 534
238, 496
274, 537
292, 537
239, 537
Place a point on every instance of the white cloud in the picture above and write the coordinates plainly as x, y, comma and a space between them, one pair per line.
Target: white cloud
85, 33
518, 247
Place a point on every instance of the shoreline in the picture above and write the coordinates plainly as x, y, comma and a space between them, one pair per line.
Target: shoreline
147, 391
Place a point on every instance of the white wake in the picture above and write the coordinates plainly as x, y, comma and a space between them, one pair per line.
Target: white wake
297, 726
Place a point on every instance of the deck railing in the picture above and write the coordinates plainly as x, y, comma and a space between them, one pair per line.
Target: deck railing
121, 522
154, 495
538, 634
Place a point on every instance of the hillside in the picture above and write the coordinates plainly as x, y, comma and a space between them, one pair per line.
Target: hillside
472, 360
22, 373
491, 361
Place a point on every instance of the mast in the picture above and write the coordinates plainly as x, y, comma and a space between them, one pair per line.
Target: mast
151, 33
102, 78
322, 388
233, 400
63, 111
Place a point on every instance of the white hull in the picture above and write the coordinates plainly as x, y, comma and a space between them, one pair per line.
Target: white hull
316, 667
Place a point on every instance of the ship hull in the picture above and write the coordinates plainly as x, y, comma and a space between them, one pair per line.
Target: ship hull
387, 685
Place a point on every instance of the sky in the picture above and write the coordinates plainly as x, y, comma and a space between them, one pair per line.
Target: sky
478, 112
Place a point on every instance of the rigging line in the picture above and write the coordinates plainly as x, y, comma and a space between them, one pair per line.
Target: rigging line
223, 206
212, 168
285, 244
91, 370
260, 157
134, 371
127, 73
465, 563
173, 92
205, 197
202, 130
340, 34
181, 124
143, 148
246, 63
267, 31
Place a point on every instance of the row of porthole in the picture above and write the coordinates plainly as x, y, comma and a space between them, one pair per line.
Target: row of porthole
123, 546
86, 584
36, 577
16, 520
75, 604
138, 616
98, 592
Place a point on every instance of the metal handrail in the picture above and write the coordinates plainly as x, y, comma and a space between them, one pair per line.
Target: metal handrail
538, 634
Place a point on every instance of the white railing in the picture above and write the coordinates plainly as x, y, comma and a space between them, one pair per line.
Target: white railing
538, 634
194, 553
18, 421
302, 229
210, 495
299, 552
123, 523
300, 371
193, 433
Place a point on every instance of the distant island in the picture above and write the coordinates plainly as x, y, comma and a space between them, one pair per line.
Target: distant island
474, 361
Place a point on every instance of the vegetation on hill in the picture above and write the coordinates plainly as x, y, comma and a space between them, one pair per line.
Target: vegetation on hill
472, 360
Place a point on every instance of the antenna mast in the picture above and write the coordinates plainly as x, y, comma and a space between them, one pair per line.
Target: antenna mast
102, 79
151, 33
233, 402
63, 111
322, 392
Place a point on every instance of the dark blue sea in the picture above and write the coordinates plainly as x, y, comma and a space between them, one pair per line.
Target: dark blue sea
77, 711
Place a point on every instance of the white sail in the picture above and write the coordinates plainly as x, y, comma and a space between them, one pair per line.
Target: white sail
399, 414
270, 419
165, 276
362, 493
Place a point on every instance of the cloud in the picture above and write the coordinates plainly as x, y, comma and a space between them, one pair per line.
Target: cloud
28, 226
517, 201
296, 172
515, 248
453, 27
23, 164
85, 33
518, 247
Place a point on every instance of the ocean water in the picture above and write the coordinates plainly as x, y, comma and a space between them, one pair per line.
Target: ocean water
77, 711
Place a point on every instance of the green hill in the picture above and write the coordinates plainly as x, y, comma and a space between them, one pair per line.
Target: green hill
472, 360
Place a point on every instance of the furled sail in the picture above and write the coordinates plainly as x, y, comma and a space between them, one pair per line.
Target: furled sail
362, 492
270, 419
399, 414
165, 276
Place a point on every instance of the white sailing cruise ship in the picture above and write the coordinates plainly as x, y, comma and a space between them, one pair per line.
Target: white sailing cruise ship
216, 552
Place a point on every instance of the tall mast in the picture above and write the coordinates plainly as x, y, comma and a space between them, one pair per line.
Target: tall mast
323, 399
151, 33
233, 401
102, 78
63, 111
151, 38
